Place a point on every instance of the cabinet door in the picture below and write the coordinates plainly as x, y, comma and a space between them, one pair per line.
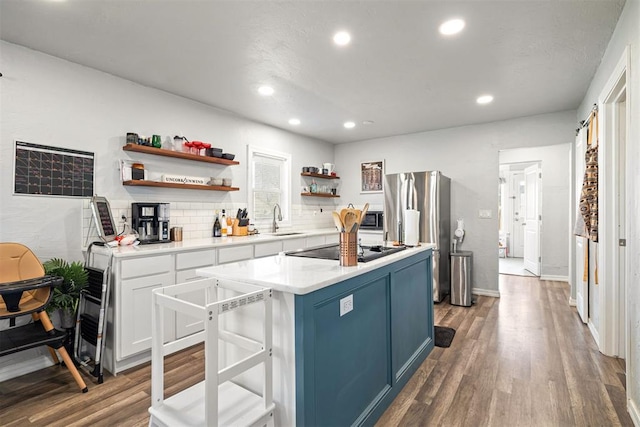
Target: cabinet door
145, 266
135, 313
349, 353
195, 259
266, 249
293, 244
332, 239
411, 314
186, 325
313, 241
236, 253
370, 237
186, 265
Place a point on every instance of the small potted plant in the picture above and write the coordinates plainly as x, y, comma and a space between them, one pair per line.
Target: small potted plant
65, 297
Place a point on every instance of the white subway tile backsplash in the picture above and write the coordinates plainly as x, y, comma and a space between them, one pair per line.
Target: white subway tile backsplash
197, 219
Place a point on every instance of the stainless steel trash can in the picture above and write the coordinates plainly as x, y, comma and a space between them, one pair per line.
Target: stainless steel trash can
461, 265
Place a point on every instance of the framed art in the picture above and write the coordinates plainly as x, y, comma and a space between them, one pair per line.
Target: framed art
371, 176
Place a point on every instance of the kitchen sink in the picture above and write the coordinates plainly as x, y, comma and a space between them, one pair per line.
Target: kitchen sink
290, 233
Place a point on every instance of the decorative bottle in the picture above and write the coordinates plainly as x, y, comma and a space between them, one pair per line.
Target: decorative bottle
217, 231
223, 224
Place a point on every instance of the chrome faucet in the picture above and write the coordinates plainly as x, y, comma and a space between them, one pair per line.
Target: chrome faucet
275, 227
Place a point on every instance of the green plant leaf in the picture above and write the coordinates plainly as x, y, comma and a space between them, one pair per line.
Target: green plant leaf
75, 278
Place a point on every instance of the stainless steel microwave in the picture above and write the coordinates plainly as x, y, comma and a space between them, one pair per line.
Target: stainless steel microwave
372, 221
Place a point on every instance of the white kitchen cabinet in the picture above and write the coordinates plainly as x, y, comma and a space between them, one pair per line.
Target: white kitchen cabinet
315, 241
235, 253
186, 265
134, 322
134, 277
370, 237
137, 278
267, 249
330, 239
293, 244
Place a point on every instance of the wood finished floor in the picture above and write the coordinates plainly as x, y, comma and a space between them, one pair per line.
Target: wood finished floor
523, 359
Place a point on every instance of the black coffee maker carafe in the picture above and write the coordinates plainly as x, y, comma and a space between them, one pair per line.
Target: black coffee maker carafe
151, 221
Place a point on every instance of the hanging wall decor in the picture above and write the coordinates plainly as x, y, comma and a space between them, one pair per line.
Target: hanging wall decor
52, 171
371, 176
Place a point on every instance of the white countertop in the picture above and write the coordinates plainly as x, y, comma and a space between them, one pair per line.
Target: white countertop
212, 242
299, 275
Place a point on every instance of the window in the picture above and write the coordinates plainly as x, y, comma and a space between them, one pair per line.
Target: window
269, 183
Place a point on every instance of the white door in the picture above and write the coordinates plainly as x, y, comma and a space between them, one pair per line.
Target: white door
622, 201
582, 298
518, 197
533, 186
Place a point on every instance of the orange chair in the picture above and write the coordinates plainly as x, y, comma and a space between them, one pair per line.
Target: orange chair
24, 290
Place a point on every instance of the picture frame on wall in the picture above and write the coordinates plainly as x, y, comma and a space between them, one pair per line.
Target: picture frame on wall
371, 176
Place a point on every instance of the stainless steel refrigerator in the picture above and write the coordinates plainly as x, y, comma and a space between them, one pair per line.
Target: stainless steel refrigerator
430, 193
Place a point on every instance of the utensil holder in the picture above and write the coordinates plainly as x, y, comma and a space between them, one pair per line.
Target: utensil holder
348, 249
175, 234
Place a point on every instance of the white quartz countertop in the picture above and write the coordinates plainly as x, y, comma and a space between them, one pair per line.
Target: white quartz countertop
213, 242
299, 275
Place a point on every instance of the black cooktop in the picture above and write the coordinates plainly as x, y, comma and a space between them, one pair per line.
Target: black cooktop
368, 253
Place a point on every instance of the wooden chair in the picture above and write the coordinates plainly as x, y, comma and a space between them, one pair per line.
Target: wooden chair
25, 290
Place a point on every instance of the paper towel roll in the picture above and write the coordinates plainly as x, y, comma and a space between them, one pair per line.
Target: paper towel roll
411, 227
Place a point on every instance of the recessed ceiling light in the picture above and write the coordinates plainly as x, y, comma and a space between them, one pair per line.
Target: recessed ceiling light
349, 125
266, 90
484, 99
294, 122
452, 26
341, 38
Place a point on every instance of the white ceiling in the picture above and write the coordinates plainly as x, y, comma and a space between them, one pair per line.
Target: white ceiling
534, 56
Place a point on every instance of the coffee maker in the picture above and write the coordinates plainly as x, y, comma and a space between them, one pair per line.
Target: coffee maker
151, 221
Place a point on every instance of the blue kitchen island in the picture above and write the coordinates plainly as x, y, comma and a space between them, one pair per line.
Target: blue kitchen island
345, 339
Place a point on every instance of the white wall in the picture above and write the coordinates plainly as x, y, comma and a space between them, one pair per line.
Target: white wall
50, 101
469, 156
556, 190
627, 34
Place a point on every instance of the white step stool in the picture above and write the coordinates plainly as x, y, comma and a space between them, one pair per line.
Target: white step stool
216, 401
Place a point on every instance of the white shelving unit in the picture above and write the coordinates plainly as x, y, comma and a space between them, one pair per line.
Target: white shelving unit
216, 401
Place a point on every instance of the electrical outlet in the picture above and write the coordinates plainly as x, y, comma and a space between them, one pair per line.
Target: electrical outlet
346, 305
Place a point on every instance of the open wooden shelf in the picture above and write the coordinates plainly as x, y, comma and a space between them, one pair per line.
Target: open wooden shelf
319, 175
329, 195
143, 183
178, 155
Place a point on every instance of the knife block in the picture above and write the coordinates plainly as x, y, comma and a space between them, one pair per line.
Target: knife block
237, 230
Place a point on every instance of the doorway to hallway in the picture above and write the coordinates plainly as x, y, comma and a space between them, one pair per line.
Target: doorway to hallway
513, 266
519, 219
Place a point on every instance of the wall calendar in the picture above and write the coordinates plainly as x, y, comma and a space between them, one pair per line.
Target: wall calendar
52, 171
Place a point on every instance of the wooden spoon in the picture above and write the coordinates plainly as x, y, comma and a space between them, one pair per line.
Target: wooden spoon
343, 213
337, 221
349, 219
363, 213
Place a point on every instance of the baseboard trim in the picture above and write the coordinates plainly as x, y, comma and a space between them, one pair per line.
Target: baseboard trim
486, 292
555, 278
21, 367
633, 412
594, 333
572, 302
